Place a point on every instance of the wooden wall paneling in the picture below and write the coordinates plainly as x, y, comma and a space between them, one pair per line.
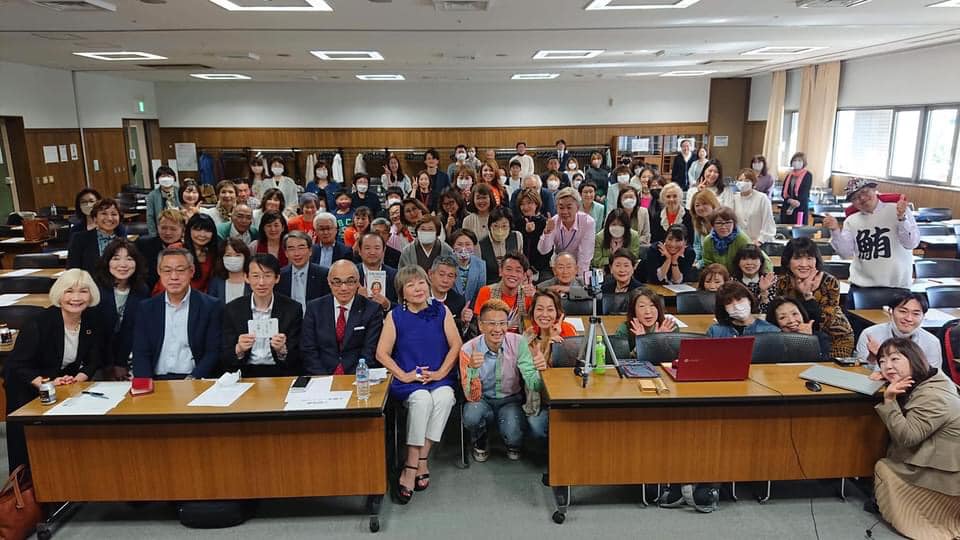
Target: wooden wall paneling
919, 195
729, 103
106, 146
67, 176
21, 163
753, 133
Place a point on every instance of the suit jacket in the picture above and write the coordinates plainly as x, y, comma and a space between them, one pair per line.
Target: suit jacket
317, 285
678, 173
204, 331
150, 247
84, 251
391, 292
217, 288
289, 316
340, 251
476, 278
118, 342
455, 302
391, 257
318, 343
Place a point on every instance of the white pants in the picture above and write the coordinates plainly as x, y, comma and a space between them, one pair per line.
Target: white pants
427, 414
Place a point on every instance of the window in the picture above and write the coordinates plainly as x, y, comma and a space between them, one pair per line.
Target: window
862, 141
938, 144
905, 133
788, 137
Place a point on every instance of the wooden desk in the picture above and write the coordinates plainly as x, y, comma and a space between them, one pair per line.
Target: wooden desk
944, 247
769, 427
696, 324
14, 246
154, 447
878, 316
41, 300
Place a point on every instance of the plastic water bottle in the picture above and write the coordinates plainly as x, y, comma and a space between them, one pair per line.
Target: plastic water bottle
363, 380
599, 356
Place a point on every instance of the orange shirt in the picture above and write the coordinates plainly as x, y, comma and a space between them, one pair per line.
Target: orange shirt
297, 223
566, 329
511, 301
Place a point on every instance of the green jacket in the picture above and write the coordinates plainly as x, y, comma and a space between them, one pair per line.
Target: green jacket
711, 256
601, 255
223, 231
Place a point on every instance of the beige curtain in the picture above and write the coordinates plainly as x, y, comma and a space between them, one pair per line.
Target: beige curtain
819, 89
771, 137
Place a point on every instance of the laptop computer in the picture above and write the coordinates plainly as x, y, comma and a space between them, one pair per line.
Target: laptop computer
712, 359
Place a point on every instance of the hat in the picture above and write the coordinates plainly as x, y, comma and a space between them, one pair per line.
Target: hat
855, 185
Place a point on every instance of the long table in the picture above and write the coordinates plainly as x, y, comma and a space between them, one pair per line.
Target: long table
879, 316
768, 427
155, 447
696, 324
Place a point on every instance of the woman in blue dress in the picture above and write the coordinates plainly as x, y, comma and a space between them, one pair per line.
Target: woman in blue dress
419, 345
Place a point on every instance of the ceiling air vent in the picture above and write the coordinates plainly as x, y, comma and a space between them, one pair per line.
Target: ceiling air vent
75, 5
174, 67
830, 3
462, 5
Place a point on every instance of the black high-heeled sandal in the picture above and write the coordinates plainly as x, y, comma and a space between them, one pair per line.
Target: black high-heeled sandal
404, 494
422, 482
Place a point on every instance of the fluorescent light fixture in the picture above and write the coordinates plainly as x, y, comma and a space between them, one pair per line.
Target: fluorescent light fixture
579, 54
220, 76
120, 55
781, 51
347, 55
534, 76
691, 73
947, 3
309, 5
641, 73
382, 77
609, 4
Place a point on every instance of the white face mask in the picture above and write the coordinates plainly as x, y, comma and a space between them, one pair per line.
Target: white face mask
623, 178
87, 207
757, 166
321, 174
277, 171
464, 183
362, 188
739, 311
553, 185
797, 164
576, 183
233, 264
426, 238
617, 231
629, 203
464, 254
461, 156
503, 179
472, 154
166, 181
744, 185
572, 166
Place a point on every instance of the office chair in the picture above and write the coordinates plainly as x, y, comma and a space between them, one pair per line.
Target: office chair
138, 228
577, 307
696, 303
26, 284
927, 215
935, 230
837, 269
873, 297
662, 346
37, 260
934, 268
785, 347
616, 304
809, 232
944, 296
17, 316
772, 249
826, 250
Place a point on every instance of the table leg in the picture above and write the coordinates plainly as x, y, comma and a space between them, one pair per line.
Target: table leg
58, 518
373, 509
562, 496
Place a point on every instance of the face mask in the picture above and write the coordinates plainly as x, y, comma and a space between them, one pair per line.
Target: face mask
503, 179
596, 163
166, 181
464, 183
623, 178
630, 203
464, 254
321, 174
461, 157
739, 311
757, 166
233, 264
277, 171
744, 185
617, 231
362, 188
576, 183
472, 154
572, 166
426, 238
637, 171
87, 207
797, 165
499, 235
343, 205
553, 185
321, 209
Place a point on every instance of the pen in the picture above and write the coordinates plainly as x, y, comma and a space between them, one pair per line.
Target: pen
95, 394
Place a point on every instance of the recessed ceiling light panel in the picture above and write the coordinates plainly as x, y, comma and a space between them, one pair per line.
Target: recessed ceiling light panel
781, 51
691, 73
534, 76
947, 3
347, 55
641, 73
120, 55
382, 77
579, 54
220, 76
308, 5
635, 4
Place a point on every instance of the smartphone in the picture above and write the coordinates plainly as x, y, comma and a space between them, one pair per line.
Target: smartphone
300, 384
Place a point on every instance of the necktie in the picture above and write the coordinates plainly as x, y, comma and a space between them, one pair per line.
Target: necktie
341, 332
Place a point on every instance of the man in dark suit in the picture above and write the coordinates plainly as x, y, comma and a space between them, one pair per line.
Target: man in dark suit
328, 249
301, 280
179, 331
549, 207
562, 155
391, 256
170, 226
443, 275
262, 355
371, 259
342, 327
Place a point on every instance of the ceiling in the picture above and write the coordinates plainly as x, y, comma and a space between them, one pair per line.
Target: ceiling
424, 43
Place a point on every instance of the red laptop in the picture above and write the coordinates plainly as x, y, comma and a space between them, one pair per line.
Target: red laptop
712, 359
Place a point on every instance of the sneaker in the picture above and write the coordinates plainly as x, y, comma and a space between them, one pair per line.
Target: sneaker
706, 499
672, 497
513, 454
480, 455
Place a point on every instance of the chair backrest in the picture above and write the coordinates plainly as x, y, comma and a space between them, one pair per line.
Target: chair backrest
26, 284
944, 296
934, 214
662, 346
935, 230
825, 249
839, 270
950, 342
873, 297
621, 347
567, 353
615, 304
821, 208
577, 307
137, 227
696, 303
784, 347
772, 249
934, 268
17, 316
810, 232
37, 260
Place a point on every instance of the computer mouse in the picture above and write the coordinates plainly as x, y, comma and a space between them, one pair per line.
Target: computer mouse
813, 386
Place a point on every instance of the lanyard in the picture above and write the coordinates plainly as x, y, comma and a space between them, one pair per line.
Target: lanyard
564, 246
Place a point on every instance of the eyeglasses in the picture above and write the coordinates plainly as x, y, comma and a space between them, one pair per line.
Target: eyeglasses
495, 324
296, 249
352, 282
722, 223
166, 270
262, 277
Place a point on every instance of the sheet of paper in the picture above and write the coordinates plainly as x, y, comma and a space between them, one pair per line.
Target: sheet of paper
186, 156
318, 388
50, 154
332, 400
263, 328
74, 154
16, 227
16, 240
64, 156
680, 288
61, 253
377, 376
220, 395
680, 324
576, 322
934, 317
10, 298
844, 287
114, 393
21, 272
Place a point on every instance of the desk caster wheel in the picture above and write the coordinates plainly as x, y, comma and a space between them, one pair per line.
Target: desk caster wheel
761, 500
44, 533
559, 517
374, 524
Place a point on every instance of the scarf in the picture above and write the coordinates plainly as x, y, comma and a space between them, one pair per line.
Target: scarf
519, 313
224, 213
723, 244
794, 178
665, 223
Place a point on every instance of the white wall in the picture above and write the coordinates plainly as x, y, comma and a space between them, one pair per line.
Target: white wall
105, 101
414, 104
759, 97
917, 77
42, 96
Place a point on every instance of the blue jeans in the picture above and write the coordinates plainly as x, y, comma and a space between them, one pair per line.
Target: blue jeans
507, 412
538, 424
